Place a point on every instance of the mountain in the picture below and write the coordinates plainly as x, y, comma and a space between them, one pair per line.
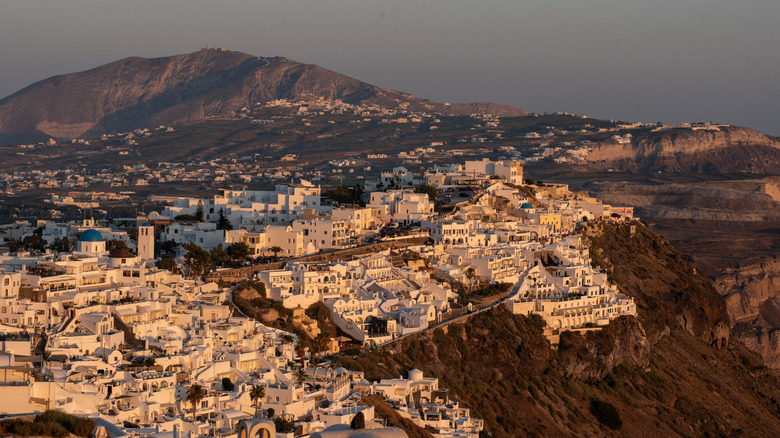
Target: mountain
718, 150
672, 371
143, 93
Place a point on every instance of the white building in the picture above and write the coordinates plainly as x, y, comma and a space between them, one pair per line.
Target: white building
403, 206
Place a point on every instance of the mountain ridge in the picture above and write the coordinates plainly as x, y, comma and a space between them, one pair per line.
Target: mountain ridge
138, 92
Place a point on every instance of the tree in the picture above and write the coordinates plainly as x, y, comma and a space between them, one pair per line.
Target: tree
431, 191
34, 242
256, 393
276, 250
470, 274
60, 245
238, 250
223, 223
195, 394
300, 376
321, 341
114, 244
227, 384
197, 260
219, 256
346, 195
283, 425
168, 247
199, 212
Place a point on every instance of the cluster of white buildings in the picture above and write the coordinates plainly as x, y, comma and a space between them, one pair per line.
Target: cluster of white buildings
370, 298
291, 217
500, 236
123, 340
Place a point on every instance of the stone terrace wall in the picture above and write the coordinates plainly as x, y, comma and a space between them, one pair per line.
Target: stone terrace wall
235, 275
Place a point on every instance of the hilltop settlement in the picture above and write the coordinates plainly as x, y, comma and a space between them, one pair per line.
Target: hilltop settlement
220, 315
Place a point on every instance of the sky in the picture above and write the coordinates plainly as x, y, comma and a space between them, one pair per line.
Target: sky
633, 60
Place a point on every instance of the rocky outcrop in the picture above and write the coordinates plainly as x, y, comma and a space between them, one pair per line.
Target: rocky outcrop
728, 149
145, 93
752, 294
592, 356
746, 287
668, 289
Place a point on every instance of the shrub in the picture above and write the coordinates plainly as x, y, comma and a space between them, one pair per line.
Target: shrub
227, 385
49, 424
607, 414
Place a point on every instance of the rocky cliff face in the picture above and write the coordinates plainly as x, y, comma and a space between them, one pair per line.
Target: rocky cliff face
729, 149
732, 227
664, 283
752, 294
592, 358
138, 92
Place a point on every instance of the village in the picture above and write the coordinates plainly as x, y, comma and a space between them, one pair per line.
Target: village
132, 324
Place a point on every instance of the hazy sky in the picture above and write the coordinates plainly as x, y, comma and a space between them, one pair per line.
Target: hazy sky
638, 60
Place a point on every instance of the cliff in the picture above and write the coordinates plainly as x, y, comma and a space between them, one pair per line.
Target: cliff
728, 149
673, 371
751, 293
145, 93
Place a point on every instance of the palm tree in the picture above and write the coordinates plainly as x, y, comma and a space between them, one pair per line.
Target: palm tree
256, 393
300, 376
195, 394
276, 250
321, 341
470, 274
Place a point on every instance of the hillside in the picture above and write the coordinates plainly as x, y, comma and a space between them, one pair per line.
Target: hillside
144, 93
671, 372
728, 149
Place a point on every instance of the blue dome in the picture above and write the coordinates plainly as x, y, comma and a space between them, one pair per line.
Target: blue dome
91, 236
146, 224
526, 205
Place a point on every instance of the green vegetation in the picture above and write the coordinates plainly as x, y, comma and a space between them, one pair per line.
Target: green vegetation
48, 424
607, 414
197, 260
227, 384
167, 262
283, 425
238, 250
346, 195
431, 191
62, 245
223, 223
195, 394
257, 393
185, 217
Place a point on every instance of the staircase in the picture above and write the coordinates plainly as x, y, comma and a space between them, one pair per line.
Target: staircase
130, 338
